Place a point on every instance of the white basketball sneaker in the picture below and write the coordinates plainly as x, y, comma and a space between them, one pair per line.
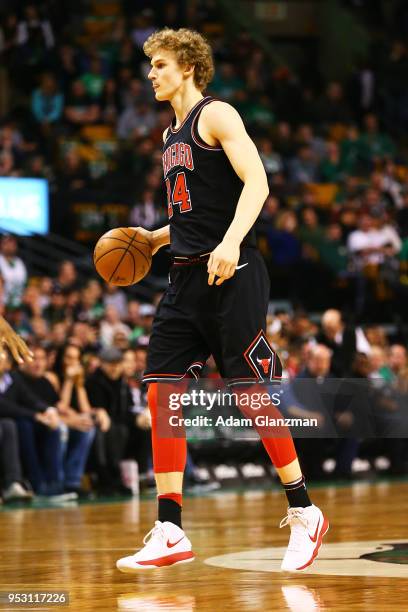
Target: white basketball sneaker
167, 545
307, 528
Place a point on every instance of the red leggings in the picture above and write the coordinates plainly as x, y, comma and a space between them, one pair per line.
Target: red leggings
169, 454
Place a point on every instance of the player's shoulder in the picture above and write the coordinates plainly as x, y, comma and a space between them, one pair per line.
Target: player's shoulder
165, 134
217, 108
221, 119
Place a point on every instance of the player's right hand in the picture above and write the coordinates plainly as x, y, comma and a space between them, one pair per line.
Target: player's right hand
17, 346
149, 236
156, 238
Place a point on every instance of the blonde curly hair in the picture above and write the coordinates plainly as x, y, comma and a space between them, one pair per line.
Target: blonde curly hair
191, 49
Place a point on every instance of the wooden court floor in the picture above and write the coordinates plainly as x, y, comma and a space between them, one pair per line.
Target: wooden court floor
238, 546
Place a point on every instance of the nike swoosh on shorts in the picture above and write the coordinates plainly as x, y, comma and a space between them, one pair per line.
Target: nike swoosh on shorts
242, 266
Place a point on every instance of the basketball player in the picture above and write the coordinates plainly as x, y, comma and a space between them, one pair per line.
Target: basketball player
17, 346
218, 292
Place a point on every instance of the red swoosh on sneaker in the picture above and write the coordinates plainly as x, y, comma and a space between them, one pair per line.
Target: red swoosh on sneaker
171, 544
314, 538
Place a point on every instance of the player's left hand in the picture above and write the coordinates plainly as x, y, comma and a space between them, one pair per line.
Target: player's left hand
223, 261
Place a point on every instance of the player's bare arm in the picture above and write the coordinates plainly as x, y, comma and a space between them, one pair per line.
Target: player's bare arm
17, 346
221, 124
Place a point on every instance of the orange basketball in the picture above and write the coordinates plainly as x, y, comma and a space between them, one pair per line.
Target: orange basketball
122, 256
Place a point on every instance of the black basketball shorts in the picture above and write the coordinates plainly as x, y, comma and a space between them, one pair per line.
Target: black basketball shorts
195, 320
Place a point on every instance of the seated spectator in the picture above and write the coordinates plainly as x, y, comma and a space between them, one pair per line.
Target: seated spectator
76, 413
310, 231
398, 362
305, 136
12, 485
332, 250
109, 103
143, 26
139, 445
375, 145
303, 167
8, 38
13, 271
333, 168
226, 82
136, 121
271, 160
308, 388
67, 278
80, 109
107, 389
343, 340
94, 80
145, 213
332, 106
74, 173
110, 324
33, 31
38, 423
373, 241
68, 66
47, 102
55, 311
115, 296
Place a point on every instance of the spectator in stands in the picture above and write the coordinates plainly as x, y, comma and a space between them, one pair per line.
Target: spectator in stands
47, 102
309, 388
67, 278
56, 310
143, 26
332, 250
139, 445
111, 324
306, 136
13, 271
333, 169
271, 160
375, 145
33, 31
80, 108
133, 321
136, 121
68, 66
76, 413
12, 486
343, 340
8, 39
107, 388
116, 297
109, 103
145, 213
94, 79
303, 167
226, 82
38, 424
74, 173
398, 362
332, 107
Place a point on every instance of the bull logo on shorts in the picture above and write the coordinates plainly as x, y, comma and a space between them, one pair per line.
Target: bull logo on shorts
263, 360
265, 363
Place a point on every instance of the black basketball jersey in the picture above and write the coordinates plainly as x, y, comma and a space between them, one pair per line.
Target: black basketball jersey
202, 187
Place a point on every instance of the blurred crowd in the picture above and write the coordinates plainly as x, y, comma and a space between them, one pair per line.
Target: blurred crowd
76, 108
80, 407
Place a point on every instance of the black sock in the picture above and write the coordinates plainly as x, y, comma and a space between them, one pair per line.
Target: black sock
169, 510
296, 493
